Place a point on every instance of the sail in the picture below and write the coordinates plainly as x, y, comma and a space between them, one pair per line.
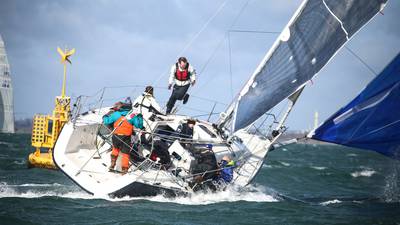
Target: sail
6, 93
372, 119
316, 32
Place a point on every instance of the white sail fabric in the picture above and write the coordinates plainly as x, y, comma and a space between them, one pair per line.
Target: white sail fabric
316, 32
6, 93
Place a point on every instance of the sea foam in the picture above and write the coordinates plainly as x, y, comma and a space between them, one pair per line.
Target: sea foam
251, 194
363, 173
318, 167
31, 190
231, 194
334, 201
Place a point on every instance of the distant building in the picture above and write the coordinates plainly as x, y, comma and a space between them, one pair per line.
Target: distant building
6, 93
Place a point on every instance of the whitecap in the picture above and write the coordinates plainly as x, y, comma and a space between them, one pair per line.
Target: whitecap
285, 163
335, 201
266, 166
13, 191
5, 143
363, 173
36, 185
318, 167
40, 194
19, 162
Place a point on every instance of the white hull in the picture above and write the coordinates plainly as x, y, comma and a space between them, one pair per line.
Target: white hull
77, 154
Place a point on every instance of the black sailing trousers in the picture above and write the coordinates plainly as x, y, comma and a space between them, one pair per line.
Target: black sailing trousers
178, 93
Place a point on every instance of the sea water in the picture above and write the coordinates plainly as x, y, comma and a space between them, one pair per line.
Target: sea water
298, 184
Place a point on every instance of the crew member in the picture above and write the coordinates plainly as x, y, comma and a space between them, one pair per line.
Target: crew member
148, 101
123, 122
181, 76
158, 149
225, 174
185, 131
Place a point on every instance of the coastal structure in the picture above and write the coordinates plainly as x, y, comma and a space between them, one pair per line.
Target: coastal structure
6, 93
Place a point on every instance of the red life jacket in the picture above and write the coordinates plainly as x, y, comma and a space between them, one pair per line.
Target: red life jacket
124, 127
182, 75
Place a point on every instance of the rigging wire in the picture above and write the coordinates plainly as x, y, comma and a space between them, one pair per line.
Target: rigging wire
361, 60
230, 64
254, 31
373, 72
194, 37
219, 46
220, 43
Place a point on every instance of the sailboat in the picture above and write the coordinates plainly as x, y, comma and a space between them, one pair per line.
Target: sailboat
315, 33
6, 93
371, 120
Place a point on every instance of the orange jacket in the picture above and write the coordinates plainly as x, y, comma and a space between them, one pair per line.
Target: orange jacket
124, 127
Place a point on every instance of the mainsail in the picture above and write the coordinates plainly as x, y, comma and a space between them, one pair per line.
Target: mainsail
6, 93
371, 120
316, 32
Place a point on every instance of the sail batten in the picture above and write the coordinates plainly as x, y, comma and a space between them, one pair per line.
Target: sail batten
313, 36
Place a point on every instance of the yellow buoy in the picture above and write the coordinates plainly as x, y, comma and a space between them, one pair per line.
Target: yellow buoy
46, 128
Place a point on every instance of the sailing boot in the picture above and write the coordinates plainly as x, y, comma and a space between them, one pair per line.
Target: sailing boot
124, 170
113, 162
125, 163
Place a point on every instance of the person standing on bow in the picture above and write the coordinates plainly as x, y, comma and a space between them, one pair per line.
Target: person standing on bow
181, 76
123, 122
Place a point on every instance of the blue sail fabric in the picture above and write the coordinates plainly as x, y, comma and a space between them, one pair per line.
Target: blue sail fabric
371, 120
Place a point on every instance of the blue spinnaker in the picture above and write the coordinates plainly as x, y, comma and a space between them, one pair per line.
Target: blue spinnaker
371, 120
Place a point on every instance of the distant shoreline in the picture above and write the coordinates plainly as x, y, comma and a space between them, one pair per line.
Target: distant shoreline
23, 126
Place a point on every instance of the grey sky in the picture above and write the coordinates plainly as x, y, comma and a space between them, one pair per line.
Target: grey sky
135, 42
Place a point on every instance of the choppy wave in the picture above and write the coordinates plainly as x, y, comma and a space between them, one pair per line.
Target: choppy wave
318, 167
31, 190
285, 163
334, 201
5, 143
20, 162
34, 185
3, 156
251, 194
363, 173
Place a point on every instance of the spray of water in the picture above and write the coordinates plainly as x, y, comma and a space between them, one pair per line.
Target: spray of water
391, 191
231, 194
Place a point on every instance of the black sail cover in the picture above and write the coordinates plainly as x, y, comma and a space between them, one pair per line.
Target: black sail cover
316, 32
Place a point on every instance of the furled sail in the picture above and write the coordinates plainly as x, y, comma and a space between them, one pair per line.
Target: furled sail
372, 119
316, 32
